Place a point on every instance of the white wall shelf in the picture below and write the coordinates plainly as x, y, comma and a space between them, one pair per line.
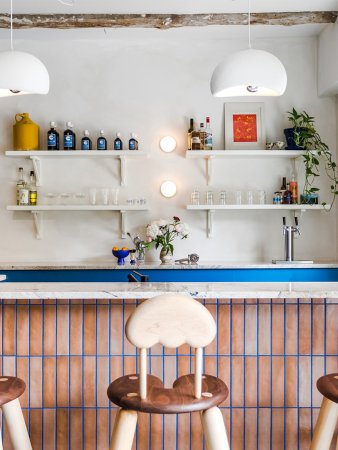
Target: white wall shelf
37, 155
37, 212
210, 155
210, 210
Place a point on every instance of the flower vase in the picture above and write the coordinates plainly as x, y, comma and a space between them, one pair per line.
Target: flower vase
166, 256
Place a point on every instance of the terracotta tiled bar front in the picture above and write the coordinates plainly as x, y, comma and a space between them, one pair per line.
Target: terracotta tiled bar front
67, 342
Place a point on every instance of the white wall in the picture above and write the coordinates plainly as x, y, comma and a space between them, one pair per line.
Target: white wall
152, 87
327, 65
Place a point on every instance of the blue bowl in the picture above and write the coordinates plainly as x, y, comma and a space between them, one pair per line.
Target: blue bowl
120, 255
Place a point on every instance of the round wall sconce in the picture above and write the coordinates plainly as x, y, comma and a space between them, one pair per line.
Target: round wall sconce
168, 144
168, 189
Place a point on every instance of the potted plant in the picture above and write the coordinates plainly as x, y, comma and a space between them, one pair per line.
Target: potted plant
162, 233
315, 151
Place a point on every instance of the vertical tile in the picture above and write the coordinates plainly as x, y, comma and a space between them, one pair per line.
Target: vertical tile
89, 326
62, 329
291, 381
264, 329
183, 432
237, 381
196, 432
102, 330
49, 429
264, 380
156, 432
143, 431
102, 430
102, 382
277, 381
49, 370
277, 338
36, 428
89, 429
22, 372
304, 329
62, 429
76, 426
304, 428
89, 381
9, 330
35, 382
75, 376
62, 383
251, 381
331, 330
318, 329
291, 329
22, 330
264, 424
251, 429
277, 440
35, 330
304, 383
76, 324
224, 325
250, 329
49, 337
237, 329
291, 428
237, 429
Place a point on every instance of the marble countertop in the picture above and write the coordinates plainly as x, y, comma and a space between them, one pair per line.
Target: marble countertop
33, 291
111, 264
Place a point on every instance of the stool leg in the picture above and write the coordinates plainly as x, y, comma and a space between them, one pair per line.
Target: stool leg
124, 430
325, 426
16, 425
214, 429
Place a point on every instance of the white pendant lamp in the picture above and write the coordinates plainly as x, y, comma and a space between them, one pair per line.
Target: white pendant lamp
249, 73
21, 73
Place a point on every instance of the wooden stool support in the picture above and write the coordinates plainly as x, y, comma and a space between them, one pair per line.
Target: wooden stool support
214, 429
16, 425
124, 430
325, 425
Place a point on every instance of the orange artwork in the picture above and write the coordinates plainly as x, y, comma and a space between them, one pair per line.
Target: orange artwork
245, 127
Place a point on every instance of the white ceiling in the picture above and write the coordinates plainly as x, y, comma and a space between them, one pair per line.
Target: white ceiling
167, 6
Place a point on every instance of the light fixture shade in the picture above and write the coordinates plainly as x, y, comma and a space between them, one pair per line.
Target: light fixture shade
249, 73
22, 73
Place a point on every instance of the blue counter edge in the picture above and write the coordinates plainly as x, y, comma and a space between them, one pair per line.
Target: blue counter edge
201, 275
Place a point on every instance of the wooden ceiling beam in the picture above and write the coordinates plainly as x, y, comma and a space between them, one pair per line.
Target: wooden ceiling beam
164, 21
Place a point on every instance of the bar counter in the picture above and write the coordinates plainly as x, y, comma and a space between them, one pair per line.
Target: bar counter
66, 340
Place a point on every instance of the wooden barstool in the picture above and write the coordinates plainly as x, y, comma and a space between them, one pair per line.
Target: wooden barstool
171, 320
328, 414
11, 388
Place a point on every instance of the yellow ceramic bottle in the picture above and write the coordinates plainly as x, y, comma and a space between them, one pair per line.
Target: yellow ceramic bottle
26, 133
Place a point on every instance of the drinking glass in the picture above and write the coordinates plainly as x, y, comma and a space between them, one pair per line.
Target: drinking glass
222, 198
209, 198
92, 196
105, 196
238, 197
249, 197
80, 198
261, 197
52, 198
195, 197
65, 196
114, 196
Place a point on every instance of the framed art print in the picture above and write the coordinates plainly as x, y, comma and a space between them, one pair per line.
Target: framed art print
244, 126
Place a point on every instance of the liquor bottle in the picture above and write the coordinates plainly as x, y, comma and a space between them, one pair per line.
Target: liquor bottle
53, 137
19, 185
101, 141
287, 196
23, 191
118, 144
195, 140
283, 188
208, 136
69, 137
33, 193
202, 135
190, 130
86, 142
294, 190
133, 143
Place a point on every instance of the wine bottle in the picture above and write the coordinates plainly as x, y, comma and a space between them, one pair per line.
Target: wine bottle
208, 136
101, 141
53, 137
190, 130
86, 142
69, 137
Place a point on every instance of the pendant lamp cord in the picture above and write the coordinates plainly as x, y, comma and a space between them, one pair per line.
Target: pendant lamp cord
12, 25
249, 22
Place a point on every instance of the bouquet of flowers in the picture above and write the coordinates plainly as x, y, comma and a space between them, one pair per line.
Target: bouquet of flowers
162, 233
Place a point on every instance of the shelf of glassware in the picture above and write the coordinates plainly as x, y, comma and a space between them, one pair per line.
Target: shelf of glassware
36, 155
210, 155
37, 212
210, 210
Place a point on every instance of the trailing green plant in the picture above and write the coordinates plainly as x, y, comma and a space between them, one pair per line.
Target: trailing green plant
315, 151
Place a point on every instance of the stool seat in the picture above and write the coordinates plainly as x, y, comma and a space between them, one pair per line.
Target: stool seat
327, 385
124, 392
10, 389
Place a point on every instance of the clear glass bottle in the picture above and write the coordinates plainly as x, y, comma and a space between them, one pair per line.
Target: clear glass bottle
69, 137
208, 136
202, 136
101, 141
19, 185
195, 140
53, 138
23, 192
86, 142
33, 193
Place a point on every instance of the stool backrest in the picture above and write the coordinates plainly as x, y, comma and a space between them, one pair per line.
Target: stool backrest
171, 320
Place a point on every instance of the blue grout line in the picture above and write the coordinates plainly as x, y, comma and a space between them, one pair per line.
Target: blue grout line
284, 376
82, 378
311, 369
244, 374
271, 375
56, 376
43, 375
29, 368
69, 377
230, 375
96, 374
257, 375
109, 374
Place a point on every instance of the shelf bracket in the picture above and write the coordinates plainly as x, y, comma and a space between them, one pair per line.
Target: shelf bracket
209, 169
37, 216
37, 169
123, 172
123, 215
210, 222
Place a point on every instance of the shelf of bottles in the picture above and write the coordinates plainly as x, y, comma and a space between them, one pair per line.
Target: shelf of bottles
210, 210
36, 155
